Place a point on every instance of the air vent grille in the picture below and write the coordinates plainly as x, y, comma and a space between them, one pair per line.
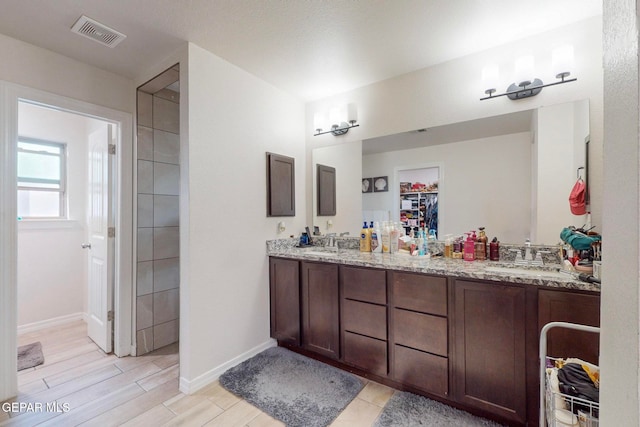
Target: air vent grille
96, 31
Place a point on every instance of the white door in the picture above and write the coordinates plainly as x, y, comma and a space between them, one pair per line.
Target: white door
99, 245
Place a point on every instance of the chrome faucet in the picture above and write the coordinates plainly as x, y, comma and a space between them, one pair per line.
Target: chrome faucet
346, 233
527, 254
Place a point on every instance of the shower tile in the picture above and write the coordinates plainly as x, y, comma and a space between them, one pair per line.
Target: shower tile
145, 109
166, 242
145, 244
166, 306
166, 147
144, 341
165, 334
166, 115
145, 210
166, 274
165, 211
144, 278
145, 177
145, 143
166, 179
144, 311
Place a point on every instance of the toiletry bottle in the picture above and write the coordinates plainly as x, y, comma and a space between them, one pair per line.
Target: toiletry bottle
482, 238
375, 238
469, 248
494, 250
394, 235
421, 243
448, 246
365, 239
385, 237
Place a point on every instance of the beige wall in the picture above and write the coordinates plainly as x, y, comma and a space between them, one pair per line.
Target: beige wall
233, 120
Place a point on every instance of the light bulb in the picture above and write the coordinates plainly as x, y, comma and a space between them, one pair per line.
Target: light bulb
562, 61
524, 70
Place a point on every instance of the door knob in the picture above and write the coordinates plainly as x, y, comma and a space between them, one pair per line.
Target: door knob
86, 246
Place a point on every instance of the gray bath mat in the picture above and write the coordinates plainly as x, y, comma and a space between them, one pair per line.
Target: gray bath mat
30, 355
410, 410
294, 389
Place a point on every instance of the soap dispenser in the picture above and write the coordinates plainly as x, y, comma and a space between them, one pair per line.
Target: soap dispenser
469, 247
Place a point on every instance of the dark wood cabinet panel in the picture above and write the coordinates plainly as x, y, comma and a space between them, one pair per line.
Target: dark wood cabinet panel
490, 330
284, 286
281, 188
320, 309
573, 307
422, 370
419, 292
489, 322
364, 284
326, 191
366, 353
364, 319
420, 331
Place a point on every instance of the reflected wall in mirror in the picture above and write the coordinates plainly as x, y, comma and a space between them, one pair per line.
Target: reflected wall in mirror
511, 173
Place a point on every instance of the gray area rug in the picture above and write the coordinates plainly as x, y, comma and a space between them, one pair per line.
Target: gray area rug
410, 410
297, 390
30, 355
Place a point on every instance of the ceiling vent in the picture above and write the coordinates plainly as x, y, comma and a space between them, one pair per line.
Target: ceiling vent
96, 31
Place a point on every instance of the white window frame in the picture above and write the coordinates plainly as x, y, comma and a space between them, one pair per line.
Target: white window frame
62, 190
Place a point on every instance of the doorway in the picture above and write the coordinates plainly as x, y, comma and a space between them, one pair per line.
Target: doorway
59, 274
10, 96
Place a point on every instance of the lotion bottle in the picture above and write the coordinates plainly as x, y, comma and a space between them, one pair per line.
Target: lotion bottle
365, 239
376, 244
386, 240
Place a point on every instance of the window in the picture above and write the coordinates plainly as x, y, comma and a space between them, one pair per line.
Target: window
41, 179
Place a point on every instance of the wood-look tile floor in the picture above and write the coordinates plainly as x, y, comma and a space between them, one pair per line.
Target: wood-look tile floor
92, 388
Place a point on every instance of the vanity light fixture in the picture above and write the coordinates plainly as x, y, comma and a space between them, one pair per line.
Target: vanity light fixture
341, 119
525, 84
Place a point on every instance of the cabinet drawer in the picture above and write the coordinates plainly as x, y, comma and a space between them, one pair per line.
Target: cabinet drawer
418, 292
366, 353
420, 331
422, 370
364, 284
365, 319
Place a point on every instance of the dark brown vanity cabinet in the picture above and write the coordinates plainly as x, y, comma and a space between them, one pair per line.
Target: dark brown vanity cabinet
284, 294
320, 308
490, 365
363, 311
419, 331
573, 307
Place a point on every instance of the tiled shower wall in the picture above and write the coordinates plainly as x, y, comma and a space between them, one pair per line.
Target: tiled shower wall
157, 284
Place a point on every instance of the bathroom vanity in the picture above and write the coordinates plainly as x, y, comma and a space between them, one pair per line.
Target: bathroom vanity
465, 333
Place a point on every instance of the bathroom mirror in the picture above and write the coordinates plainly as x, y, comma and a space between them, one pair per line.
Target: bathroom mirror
510, 173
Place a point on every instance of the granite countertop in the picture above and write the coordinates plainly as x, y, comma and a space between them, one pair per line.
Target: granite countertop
547, 275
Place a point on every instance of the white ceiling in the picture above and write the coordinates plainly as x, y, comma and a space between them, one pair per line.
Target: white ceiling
309, 48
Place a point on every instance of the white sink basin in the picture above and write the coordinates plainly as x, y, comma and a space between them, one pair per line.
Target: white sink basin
526, 272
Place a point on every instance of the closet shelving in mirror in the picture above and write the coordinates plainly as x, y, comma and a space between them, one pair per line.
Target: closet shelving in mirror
419, 209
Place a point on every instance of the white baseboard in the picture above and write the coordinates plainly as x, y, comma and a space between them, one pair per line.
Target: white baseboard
189, 387
56, 321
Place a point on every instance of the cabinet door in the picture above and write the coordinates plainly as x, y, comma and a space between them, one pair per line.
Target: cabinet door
320, 309
281, 186
284, 287
562, 306
489, 371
